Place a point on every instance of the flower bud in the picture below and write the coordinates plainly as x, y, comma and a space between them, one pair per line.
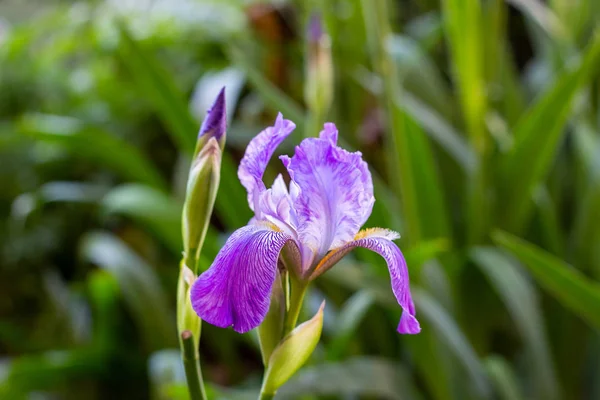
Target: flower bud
202, 187
319, 68
292, 352
214, 125
187, 320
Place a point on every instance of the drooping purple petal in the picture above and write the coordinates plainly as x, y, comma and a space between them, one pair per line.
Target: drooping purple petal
336, 191
380, 241
236, 289
215, 123
258, 153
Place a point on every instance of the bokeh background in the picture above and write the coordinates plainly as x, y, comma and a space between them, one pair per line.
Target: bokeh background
480, 120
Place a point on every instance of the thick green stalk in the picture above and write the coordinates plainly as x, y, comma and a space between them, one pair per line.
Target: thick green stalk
266, 396
297, 292
191, 363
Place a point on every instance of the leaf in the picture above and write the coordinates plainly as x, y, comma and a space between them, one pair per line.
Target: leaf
503, 378
292, 352
409, 154
152, 208
573, 290
139, 286
272, 95
348, 321
161, 90
463, 23
450, 334
537, 137
520, 298
357, 377
89, 142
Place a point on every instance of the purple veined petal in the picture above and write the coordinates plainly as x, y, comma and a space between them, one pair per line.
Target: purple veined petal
380, 241
329, 133
257, 156
236, 289
336, 192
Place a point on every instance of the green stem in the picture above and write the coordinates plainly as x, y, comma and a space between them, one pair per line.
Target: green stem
266, 396
191, 363
297, 289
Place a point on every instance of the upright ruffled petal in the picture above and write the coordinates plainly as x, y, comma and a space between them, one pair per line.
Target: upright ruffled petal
257, 156
276, 206
380, 241
236, 289
336, 191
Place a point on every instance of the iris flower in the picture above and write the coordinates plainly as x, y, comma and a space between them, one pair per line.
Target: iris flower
316, 220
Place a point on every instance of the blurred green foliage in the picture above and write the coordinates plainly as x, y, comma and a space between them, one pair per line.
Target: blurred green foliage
481, 123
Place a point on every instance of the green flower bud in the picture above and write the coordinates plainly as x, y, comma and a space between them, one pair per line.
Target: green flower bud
293, 351
202, 187
187, 319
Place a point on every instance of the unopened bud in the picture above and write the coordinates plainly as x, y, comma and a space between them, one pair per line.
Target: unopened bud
187, 319
215, 124
292, 352
319, 67
202, 187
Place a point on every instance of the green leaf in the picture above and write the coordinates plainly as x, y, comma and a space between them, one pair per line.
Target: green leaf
357, 377
348, 321
161, 90
449, 333
520, 298
273, 96
537, 137
292, 352
155, 210
503, 378
463, 24
409, 153
573, 290
139, 286
84, 140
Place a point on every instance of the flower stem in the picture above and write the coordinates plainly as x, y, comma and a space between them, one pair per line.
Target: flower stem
297, 289
266, 396
191, 363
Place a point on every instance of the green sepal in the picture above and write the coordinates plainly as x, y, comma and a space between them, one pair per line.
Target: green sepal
293, 351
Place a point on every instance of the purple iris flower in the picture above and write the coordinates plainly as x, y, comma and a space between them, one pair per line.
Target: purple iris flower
318, 217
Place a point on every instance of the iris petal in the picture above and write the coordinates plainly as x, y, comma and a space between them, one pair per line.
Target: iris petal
257, 156
236, 289
336, 191
380, 241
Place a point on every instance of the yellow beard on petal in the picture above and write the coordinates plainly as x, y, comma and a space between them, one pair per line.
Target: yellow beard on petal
374, 232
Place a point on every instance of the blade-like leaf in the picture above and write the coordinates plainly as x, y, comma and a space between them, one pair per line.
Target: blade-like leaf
503, 378
84, 140
154, 209
537, 137
373, 377
139, 286
520, 298
573, 290
463, 24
